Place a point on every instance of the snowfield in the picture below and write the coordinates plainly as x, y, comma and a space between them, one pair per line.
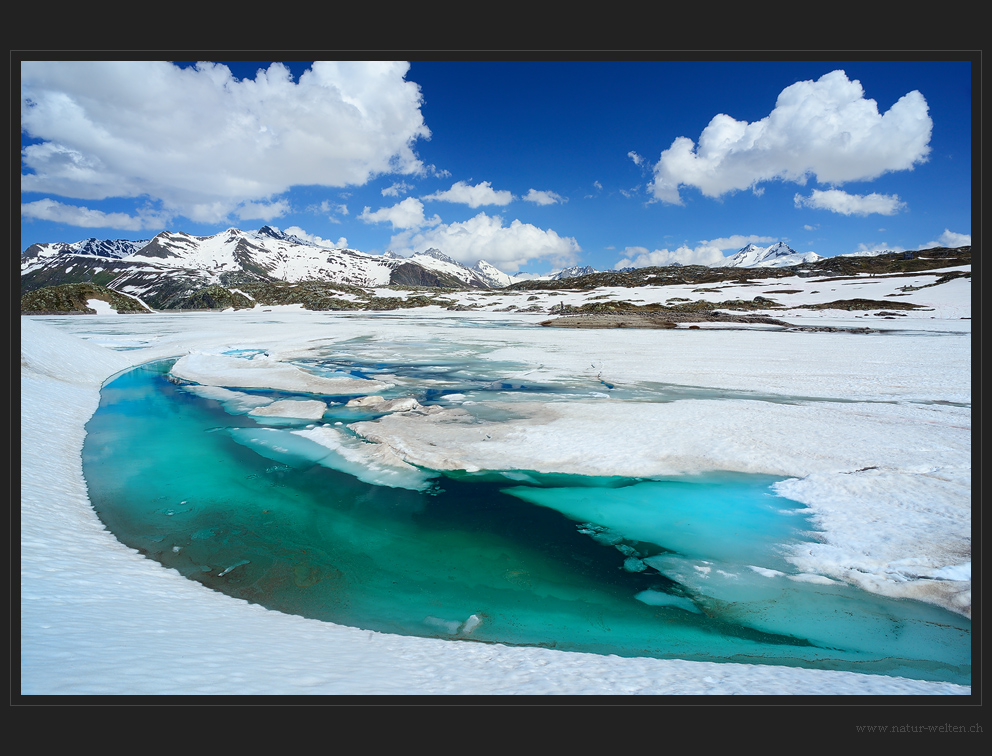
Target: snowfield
873, 433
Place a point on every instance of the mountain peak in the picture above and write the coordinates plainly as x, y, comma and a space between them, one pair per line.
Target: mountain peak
492, 275
573, 272
779, 254
275, 233
272, 232
438, 255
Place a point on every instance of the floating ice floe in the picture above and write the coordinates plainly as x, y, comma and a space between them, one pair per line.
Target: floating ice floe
380, 404
306, 409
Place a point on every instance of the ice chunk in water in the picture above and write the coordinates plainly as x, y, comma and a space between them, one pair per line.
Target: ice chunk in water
307, 409
380, 404
365, 401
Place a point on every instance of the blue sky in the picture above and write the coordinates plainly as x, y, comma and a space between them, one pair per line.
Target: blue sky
529, 165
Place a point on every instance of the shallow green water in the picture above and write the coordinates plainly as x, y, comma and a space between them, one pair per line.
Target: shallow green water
628, 567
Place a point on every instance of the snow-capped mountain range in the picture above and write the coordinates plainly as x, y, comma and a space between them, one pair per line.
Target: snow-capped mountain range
141, 268
777, 255
174, 262
266, 254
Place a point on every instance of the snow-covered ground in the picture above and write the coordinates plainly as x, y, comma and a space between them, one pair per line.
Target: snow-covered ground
887, 476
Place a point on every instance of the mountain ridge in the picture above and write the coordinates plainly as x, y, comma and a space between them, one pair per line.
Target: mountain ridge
170, 270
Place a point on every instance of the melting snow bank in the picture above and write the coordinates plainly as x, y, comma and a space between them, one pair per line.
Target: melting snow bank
97, 617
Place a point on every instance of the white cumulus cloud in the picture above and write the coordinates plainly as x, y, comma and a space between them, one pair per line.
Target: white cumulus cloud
262, 210
839, 201
406, 214
874, 249
341, 243
396, 189
640, 257
202, 142
738, 241
484, 237
949, 239
540, 197
473, 196
84, 217
824, 128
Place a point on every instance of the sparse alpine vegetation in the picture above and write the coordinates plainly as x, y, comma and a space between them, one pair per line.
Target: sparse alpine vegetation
894, 263
67, 299
861, 304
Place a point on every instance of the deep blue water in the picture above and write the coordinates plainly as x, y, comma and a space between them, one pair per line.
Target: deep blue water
631, 567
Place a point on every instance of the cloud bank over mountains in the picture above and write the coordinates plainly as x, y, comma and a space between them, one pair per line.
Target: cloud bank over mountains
480, 237
485, 237
826, 129
707, 252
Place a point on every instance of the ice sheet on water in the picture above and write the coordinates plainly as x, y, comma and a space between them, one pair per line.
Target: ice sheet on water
263, 371
830, 614
326, 446
372, 463
234, 402
715, 519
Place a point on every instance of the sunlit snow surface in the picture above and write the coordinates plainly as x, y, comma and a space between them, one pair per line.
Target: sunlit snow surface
887, 477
